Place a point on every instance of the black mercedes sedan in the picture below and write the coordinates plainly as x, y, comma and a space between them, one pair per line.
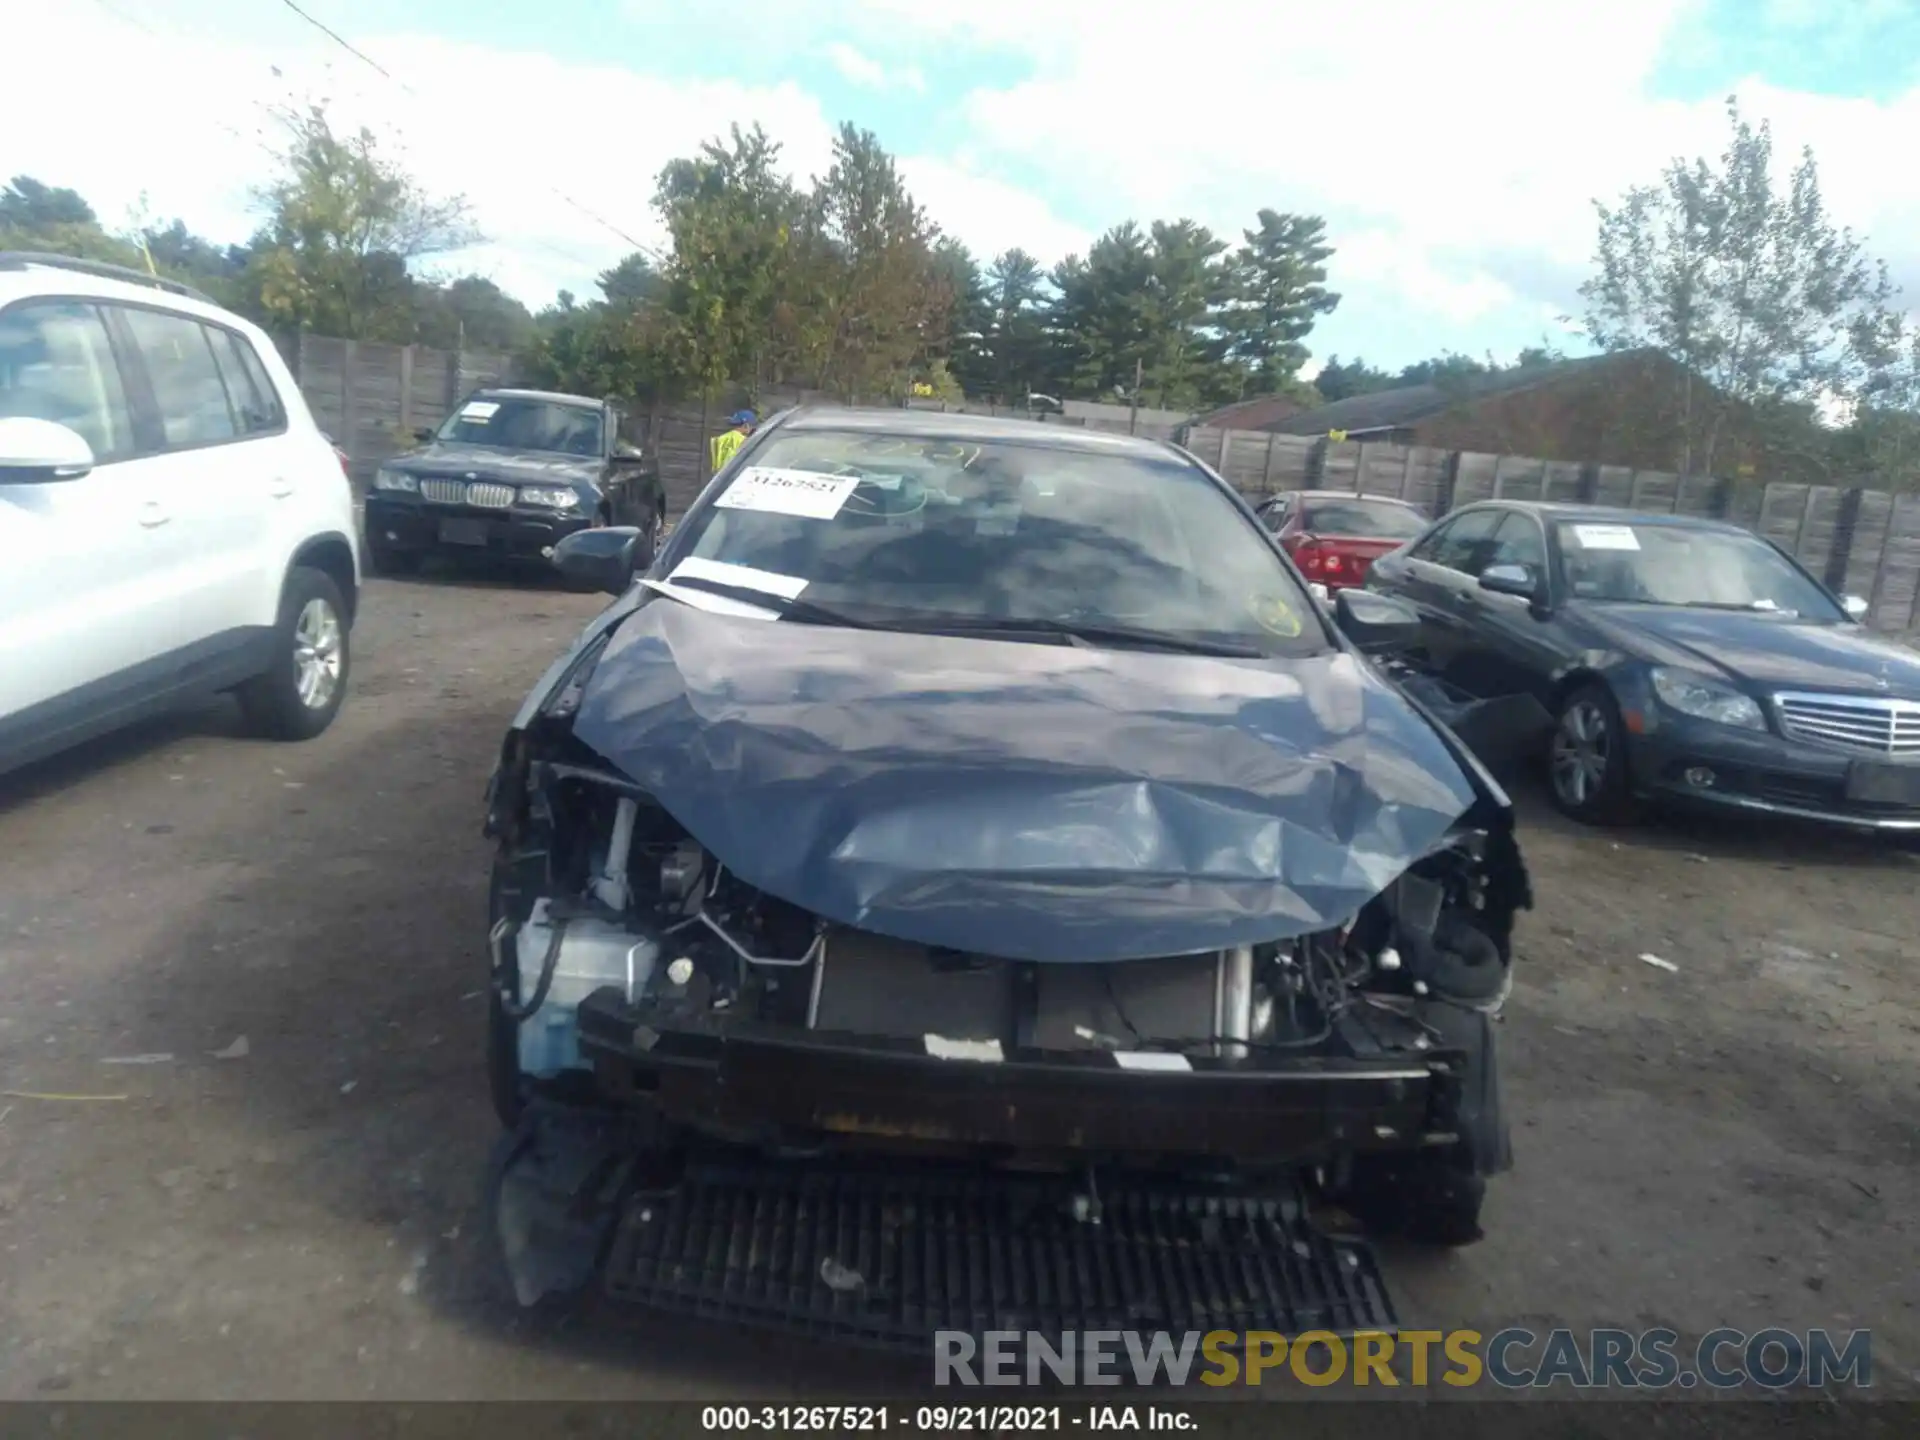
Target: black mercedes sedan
1673, 658
508, 475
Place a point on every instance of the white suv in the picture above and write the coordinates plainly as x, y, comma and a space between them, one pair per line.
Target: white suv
172, 522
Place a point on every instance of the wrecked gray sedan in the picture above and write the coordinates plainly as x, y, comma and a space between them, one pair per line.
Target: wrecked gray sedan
967, 882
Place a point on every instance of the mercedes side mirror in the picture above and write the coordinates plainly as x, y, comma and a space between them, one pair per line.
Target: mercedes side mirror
1515, 580
41, 452
1375, 623
604, 559
423, 435
1855, 607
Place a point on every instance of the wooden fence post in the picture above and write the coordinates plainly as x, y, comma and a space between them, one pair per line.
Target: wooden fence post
1266, 468
406, 391
1588, 488
1226, 439
1406, 474
1843, 527
1449, 484
349, 420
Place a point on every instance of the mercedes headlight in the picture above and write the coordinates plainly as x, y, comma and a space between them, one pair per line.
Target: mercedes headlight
385, 479
1705, 698
554, 499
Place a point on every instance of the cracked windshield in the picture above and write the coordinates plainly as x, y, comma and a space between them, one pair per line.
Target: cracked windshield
862, 716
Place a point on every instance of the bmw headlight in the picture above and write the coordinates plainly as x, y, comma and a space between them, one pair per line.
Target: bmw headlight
1705, 698
385, 479
554, 499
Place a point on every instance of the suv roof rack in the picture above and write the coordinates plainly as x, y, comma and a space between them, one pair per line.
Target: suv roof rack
20, 259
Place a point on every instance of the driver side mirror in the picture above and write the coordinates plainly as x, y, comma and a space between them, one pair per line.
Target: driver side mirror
1855, 607
41, 452
1375, 623
423, 434
1515, 580
604, 559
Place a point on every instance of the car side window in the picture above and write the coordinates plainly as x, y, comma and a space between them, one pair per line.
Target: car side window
1463, 544
1275, 513
187, 387
57, 363
256, 404
1519, 541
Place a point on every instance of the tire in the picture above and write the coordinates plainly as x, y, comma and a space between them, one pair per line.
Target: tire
301, 691
1587, 775
384, 561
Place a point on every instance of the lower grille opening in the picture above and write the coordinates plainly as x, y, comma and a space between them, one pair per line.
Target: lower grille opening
888, 1258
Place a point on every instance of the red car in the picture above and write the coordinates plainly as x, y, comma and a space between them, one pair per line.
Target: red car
1334, 535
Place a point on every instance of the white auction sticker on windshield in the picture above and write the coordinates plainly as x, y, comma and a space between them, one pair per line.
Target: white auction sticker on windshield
479, 410
805, 493
1606, 537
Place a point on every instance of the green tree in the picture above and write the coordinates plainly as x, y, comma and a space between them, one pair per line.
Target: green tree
632, 283
1278, 292
1750, 289
471, 313
883, 305
33, 206
1016, 346
964, 350
38, 216
345, 224
731, 214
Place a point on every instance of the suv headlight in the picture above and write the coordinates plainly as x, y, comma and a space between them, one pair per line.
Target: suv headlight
1705, 698
385, 479
555, 499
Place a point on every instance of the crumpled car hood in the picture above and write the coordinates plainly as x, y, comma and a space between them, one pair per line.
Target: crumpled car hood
1026, 801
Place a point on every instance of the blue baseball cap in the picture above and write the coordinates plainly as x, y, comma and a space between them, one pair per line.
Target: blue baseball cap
742, 417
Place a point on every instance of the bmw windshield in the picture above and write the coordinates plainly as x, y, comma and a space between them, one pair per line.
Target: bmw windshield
508, 422
912, 533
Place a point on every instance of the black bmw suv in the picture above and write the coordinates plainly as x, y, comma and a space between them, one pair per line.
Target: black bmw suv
508, 475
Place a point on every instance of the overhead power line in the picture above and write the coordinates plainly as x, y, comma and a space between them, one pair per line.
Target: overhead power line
379, 69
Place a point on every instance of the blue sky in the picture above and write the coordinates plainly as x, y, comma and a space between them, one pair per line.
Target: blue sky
1453, 150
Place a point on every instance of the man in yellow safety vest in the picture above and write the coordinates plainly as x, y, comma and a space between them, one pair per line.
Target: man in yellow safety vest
730, 440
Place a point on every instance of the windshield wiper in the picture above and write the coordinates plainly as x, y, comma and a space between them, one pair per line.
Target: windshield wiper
1099, 633
1747, 607
808, 612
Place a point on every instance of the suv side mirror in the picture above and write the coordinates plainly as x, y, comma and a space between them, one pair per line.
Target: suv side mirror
41, 452
1855, 607
604, 559
1516, 580
423, 435
1375, 623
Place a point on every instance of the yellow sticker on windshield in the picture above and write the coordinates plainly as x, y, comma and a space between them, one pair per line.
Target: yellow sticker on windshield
1274, 614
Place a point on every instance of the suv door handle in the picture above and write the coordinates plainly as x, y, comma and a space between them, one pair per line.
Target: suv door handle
153, 514
281, 487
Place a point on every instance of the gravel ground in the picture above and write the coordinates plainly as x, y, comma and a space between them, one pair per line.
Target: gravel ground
280, 1199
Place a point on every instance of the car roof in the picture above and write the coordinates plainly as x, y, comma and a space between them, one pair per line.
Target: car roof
508, 392
1555, 511
948, 425
26, 276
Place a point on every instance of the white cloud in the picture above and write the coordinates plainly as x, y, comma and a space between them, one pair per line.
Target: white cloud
1454, 150
858, 68
187, 125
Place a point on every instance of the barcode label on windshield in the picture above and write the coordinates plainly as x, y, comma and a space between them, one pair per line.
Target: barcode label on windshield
1606, 537
789, 492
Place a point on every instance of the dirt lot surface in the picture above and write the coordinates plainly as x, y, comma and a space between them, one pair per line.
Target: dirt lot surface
1734, 1143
